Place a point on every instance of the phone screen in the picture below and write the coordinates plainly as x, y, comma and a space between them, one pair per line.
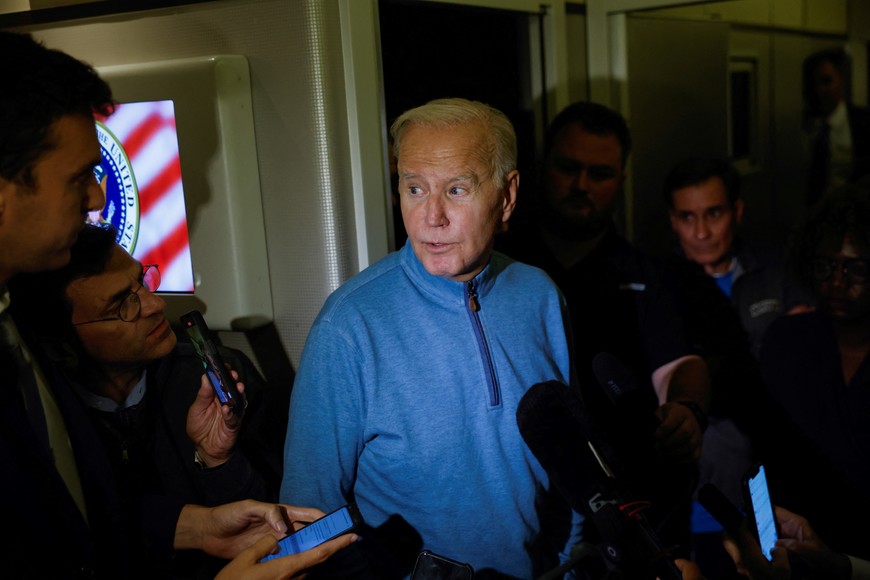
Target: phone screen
762, 508
339, 522
220, 378
431, 566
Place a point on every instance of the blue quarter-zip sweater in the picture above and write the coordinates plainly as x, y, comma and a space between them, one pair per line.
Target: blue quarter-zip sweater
405, 401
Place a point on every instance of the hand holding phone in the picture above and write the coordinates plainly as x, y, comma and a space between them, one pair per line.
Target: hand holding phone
757, 497
212, 362
342, 521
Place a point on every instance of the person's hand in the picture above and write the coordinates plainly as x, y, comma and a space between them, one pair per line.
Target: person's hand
227, 529
678, 436
689, 569
816, 558
247, 565
213, 428
750, 561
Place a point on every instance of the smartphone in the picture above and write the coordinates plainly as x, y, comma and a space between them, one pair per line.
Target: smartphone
757, 497
218, 374
729, 516
342, 521
431, 566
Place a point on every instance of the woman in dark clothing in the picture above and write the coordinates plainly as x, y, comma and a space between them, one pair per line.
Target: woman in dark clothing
817, 368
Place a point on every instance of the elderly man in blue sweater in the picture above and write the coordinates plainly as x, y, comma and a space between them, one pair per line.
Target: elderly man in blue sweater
406, 397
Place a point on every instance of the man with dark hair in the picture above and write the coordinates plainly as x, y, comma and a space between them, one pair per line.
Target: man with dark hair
705, 209
52, 478
169, 441
839, 130
619, 305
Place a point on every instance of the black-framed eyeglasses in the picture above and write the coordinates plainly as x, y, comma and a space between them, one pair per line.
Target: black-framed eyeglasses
855, 270
131, 306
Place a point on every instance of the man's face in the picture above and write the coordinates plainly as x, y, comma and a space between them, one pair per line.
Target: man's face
843, 299
116, 344
582, 178
39, 225
829, 85
450, 205
705, 223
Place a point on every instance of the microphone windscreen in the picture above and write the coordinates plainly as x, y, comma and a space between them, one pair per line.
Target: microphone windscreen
555, 425
635, 420
552, 421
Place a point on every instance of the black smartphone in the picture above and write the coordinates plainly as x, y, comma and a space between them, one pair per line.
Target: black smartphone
431, 566
212, 362
342, 521
757, 497
720, 507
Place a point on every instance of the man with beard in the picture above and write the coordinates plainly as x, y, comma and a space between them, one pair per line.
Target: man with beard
619, 306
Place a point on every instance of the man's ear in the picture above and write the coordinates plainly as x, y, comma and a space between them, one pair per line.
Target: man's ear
509, 201
6, 191
672, 218
738, 211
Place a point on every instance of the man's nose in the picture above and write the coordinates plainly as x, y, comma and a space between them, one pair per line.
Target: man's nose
435, 212
581, 180
150, 303
94, 199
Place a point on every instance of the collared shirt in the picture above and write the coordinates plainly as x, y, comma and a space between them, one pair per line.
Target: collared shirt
101, 403
840, 147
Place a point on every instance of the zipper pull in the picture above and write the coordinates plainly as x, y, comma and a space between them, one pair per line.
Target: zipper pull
472, 297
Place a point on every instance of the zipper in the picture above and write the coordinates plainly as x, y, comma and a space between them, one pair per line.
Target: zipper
480, 337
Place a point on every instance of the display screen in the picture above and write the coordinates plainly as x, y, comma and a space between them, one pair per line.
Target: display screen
334, 524
765, 520
141, 176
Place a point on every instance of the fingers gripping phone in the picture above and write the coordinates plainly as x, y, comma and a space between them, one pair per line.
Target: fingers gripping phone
218, 374
757, 497
342, 521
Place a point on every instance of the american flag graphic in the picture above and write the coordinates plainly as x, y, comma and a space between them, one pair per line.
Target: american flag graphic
147, 132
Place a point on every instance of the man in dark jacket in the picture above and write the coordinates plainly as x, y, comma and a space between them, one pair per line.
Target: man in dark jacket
169, 440
705, 209
838, 130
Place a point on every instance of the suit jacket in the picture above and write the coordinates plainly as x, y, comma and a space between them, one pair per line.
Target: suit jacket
859, 127
46, 534
131, 524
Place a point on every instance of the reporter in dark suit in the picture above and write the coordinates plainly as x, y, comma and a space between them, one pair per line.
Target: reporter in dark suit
839, 130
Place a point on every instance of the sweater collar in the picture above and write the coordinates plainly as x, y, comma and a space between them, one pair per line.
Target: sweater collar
444, 289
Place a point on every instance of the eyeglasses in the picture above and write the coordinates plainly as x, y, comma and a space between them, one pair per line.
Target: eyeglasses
131, 306
855, 270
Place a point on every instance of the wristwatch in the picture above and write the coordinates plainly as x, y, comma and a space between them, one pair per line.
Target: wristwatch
198, 460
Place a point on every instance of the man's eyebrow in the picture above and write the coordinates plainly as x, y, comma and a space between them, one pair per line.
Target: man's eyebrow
118, 296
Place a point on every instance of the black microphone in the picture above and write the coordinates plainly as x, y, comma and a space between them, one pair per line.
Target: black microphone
553, 422
630, 422
635, 402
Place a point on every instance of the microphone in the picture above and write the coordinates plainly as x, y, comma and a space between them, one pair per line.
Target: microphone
668, 485
553, 422
631, 421
634, 402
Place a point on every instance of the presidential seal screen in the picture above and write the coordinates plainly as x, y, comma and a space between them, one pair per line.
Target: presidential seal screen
140, 174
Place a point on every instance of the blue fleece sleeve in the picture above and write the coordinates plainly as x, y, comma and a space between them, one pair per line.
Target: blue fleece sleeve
324, 436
